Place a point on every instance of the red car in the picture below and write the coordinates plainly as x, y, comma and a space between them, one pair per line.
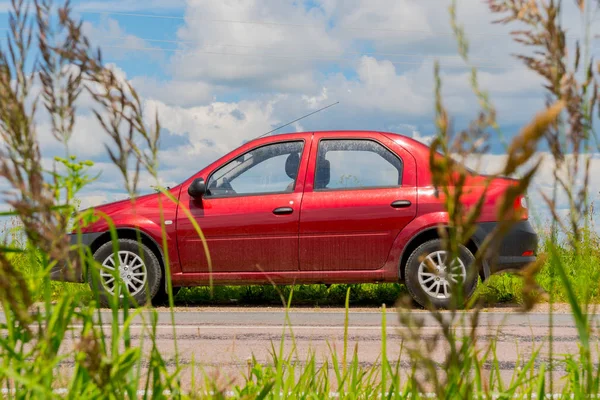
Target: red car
299, 208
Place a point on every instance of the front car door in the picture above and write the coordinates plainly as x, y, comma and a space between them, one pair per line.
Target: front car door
360, 192
250, 213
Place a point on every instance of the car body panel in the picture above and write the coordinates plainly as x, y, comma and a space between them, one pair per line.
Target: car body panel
149, 214
242, 233
354, 229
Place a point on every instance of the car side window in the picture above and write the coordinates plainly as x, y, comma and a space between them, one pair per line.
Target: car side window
267, 169
356, 164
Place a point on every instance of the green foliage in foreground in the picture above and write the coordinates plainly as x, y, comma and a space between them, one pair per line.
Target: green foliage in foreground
110, 363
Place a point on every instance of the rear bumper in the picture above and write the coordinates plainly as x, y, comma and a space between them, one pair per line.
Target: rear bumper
515, 250
72, 270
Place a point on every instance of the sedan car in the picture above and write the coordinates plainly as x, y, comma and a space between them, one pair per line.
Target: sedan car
303, 208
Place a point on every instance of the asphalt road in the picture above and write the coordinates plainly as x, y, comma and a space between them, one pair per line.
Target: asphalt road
224, 339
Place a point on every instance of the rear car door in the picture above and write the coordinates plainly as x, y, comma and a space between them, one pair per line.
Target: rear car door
250, 213
360, 192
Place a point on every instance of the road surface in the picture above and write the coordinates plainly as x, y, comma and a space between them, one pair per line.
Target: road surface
224, 339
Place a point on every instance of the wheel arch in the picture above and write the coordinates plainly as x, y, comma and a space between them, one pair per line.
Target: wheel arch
425, 235
133, 234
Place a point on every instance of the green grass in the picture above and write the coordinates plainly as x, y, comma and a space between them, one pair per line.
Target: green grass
500, 288
582, 270
304, 295
30, 265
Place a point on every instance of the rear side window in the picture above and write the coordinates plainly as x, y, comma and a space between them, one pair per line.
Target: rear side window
356, 164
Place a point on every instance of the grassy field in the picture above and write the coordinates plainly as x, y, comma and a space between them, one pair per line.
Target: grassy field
500, 288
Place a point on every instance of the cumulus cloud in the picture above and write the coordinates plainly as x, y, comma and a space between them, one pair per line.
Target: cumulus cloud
175, 92
379, 86
88, 138
383, 21
116, 42
212, 130
227, 43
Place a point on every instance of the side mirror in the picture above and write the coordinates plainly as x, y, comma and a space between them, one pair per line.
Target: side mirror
197, 188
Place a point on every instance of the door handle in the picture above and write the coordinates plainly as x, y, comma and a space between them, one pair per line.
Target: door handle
283, 210
401, 204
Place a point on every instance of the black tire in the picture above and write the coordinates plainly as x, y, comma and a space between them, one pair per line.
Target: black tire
153, 271
417, 291
162, 297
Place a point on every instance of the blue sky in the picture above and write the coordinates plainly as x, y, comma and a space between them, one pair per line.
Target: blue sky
222, 72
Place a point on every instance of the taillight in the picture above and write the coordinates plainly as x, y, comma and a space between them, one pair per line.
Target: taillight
521, 207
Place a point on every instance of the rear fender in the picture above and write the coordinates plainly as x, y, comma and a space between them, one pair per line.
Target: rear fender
416, 231
410, 231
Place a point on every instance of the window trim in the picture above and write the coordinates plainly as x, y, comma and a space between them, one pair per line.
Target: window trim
303, 141
357, 188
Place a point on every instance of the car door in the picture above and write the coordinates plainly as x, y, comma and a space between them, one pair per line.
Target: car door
360, 192
250, 213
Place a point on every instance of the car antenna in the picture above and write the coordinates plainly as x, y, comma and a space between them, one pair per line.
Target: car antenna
298, 119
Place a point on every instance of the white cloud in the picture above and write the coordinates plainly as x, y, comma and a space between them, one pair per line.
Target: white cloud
275, 55
314, 101
415, 134
213, 130
381, 87
87, 141
175, 92
116, 42
88, 138
382, 20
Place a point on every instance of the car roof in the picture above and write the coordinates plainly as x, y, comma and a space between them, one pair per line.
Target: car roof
339, 132
407, 140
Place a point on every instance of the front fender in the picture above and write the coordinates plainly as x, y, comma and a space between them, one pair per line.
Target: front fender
147, 226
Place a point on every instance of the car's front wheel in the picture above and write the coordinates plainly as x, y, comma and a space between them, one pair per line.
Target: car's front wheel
134, 265
432, 277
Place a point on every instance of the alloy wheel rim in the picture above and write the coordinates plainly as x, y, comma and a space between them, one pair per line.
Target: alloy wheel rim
438, 282
130, 269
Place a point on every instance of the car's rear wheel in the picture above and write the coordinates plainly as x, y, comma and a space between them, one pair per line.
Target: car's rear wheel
432, 278
135, 266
